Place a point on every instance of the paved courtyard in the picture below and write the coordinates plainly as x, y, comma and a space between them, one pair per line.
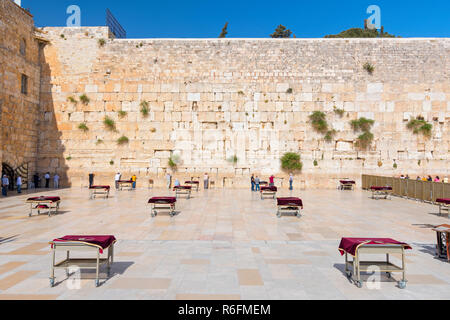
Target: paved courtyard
224, 244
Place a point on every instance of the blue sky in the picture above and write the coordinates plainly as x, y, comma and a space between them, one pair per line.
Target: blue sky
249, 19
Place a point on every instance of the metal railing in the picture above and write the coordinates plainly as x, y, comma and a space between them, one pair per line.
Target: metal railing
426, 191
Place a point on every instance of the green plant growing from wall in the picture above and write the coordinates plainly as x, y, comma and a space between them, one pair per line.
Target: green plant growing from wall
319, 121
99, 141
419, 125
85, 99
395, 165
339, 112
289, 91
234, 160
365, 140
291, 162
72, 100
123, 140
101, 42
109, 123
330, 135
83, 127
241, 93
315, 163
69, 158
145, 110
173, 162
153, 130
122, 114
111, 163
363, 125
369, 68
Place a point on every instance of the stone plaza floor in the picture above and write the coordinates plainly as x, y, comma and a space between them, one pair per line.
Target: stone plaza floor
223, 244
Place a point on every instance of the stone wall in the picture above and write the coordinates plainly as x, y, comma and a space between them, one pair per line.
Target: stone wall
19, 113
211, 99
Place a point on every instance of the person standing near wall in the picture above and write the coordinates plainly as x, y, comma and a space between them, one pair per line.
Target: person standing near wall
36, 180
47, 180
5, 185
19, 184
253, 182
117, 179
91, 179
291, 182
168, 180
206, 181
257, 183
56, 181
134, 179
271, 181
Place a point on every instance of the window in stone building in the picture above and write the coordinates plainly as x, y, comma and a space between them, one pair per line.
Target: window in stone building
24, 87
23, 47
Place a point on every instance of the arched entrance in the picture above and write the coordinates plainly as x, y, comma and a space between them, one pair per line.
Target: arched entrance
10, 173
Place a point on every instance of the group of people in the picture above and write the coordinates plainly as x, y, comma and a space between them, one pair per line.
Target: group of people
178, 184
256, 182
47, 177
429, 178
35, 184
117, 179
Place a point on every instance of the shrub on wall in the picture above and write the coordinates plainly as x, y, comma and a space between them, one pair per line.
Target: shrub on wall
173, 162
234, 160
369, 68
85, 99
109, 123
291, 162
101, 42
319, 121
419, 125
83, 127
339, 112
122, 114
330, 135
145, 108
122, 140
72, 100
363, 125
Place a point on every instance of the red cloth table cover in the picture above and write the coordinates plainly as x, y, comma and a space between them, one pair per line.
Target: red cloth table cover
165, 200
269, 189
347, 182
350, 245
183, 187
100, 187
444, 201
102, 242
290, 202
380, 188
42, 206
52, 199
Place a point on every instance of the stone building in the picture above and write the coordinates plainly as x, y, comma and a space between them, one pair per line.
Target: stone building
19, 90
211, 100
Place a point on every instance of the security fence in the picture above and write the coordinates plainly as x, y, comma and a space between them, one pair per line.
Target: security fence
427, 191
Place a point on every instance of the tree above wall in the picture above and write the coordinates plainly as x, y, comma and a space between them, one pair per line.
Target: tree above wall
224, 32
361, 33
281, 32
